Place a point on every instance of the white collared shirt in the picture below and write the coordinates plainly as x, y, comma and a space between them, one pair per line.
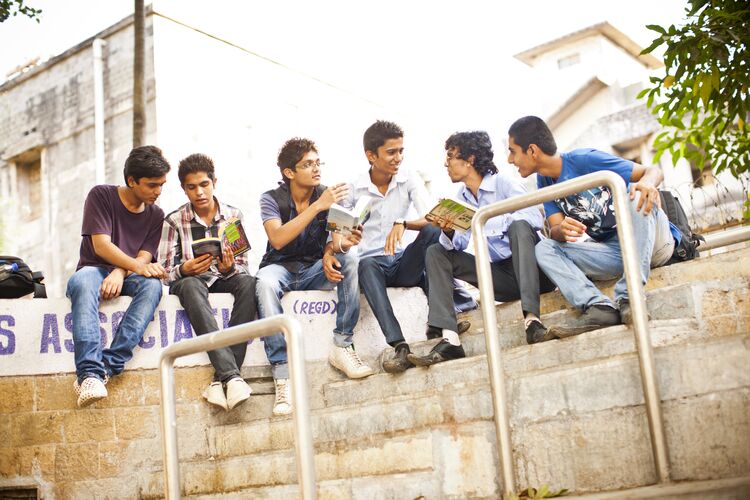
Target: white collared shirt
406, 189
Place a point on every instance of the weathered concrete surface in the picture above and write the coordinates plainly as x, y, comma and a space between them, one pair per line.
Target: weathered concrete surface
577, 419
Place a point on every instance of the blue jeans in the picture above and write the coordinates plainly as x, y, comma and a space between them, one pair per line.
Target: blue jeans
83, 291
572, 266
274, 280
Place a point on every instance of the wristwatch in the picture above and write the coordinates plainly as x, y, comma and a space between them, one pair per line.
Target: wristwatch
400, 221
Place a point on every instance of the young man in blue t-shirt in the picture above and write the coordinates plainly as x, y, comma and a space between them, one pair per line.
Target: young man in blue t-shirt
583, 242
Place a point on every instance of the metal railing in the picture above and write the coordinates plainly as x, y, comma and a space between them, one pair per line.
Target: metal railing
222, 338
635, 295
718, 239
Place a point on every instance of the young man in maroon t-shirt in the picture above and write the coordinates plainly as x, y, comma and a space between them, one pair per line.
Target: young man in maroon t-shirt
121, 231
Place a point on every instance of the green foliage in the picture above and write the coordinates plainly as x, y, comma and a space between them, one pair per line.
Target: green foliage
702, 98
537, 494
14, 7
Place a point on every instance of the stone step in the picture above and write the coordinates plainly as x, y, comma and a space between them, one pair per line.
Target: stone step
737, 488
569, 412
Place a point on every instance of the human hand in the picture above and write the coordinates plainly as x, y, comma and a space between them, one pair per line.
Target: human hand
331, 266
226, 263
196, 265
572, 229
112, 284
649, 196
393, 239
333, 194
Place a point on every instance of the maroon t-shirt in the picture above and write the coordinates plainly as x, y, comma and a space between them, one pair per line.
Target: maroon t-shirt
104, 213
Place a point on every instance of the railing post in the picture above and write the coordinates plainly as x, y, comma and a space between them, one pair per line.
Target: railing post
635, 294
298, 380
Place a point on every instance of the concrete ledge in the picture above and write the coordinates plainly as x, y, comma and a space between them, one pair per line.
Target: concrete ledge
36, 338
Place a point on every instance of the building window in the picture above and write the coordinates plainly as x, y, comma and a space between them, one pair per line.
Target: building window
570, 60
29, 186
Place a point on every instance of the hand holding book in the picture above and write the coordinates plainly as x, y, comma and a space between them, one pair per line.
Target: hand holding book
450, 214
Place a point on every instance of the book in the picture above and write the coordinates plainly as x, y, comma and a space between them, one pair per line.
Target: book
343, 220
232, 236
459, 214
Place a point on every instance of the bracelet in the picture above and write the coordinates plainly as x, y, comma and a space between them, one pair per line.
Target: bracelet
341, 250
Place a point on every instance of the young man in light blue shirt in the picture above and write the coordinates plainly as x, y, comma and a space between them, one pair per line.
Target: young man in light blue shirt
383, 262
510, 237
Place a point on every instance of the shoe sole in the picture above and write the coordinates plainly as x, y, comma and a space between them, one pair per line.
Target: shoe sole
89, 400
281, 414
342, 370
563, 332
232, 406
396, 369
425, 361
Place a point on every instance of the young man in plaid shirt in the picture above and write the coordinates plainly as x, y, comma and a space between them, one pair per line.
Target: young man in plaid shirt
192, 278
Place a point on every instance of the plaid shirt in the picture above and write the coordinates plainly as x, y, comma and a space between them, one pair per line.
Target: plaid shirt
181, 228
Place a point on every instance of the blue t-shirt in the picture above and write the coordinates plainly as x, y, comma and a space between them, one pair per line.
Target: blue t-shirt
594, 207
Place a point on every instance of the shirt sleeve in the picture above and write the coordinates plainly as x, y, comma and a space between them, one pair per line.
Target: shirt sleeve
418, 194
97, 213
550, 207
269, 209
170, 251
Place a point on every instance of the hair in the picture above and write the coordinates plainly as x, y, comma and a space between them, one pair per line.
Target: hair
195, 163
292, 152
475, 143
379, 132
532, 130
145, 161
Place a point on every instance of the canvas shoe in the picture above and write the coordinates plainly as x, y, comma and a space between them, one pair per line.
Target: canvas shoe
283, 403
89, 391
214, 394
347, 360
237, 392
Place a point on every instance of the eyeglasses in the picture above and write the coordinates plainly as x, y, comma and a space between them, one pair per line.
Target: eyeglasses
449, 155
310, 164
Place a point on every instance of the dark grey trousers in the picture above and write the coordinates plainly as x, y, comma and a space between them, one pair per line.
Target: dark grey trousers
513, 278
193, 294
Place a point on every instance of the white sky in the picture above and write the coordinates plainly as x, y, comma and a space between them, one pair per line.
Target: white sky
406, 55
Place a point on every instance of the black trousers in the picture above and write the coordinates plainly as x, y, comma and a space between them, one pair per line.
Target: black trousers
518, 277
193, 294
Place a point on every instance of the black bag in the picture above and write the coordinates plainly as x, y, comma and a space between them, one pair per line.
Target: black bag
23, 281
687, 248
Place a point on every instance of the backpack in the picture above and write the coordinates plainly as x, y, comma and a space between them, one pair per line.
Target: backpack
22, 281
687, 248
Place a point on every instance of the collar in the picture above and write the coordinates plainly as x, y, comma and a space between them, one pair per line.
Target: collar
364, 182
487, 185
190, 215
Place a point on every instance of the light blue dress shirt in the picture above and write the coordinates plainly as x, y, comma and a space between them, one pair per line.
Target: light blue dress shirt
406, 189
494, 188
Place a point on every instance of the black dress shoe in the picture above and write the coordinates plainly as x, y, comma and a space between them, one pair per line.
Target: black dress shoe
435, 333
594, 318
398, 363
537, 332
443, 351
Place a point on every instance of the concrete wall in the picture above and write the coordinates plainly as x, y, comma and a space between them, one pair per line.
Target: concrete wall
51, 109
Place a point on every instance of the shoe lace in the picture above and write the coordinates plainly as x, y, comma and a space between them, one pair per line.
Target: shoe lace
282, 389
353, 357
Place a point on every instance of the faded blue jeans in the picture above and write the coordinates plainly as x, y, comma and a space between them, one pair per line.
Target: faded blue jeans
274, 280
572, 266
83, 290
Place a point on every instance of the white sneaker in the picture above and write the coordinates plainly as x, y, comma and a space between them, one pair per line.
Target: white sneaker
283, 404
214, 394
89, 391
237, 392
347, 360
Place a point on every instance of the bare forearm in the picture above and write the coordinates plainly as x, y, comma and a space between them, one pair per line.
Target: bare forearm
109, 252
284, 234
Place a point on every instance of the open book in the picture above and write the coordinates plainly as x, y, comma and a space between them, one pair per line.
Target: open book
231, 236
457, 213
343, 220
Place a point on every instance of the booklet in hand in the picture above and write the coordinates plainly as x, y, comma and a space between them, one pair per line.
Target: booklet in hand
343, 220
232, 236
457, 213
